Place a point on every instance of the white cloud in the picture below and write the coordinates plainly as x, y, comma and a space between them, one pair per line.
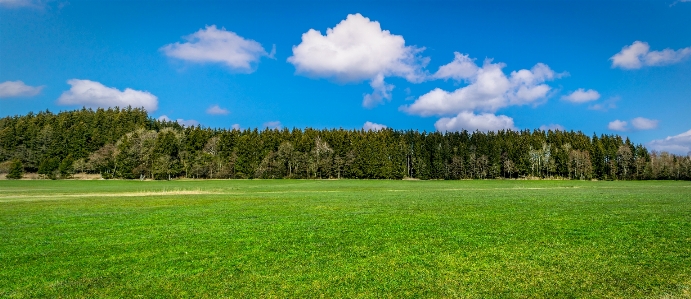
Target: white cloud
470, 121
381, 91
617, 125
188, 122
272, 125
581, 96
679, 144
630, 56
93, 94
217, 110
638, 55
606, 105
15, 2
489, 90
675, 2
370, 126
218, 46
641, 123
235, 127
357, 50
354, 50
22, 3
183, 122
527, 84
553, 127
461, 68
486, 92
638, 123
11, 89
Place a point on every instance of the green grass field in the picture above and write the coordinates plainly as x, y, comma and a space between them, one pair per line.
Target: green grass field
347, 238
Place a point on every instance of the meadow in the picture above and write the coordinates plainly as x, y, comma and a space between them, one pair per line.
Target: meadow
345, 238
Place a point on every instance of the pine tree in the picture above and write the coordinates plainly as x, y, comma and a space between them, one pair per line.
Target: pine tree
16, 170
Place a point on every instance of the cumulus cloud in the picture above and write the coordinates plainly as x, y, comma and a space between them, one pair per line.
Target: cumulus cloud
272, 125
183, 122
489, 89
470, 121
638, 123
461, 68
641, 123
553, 127
617, 125
679, 144
217, 110
581, 96
235, 127
12, 89
527, 85
93, 94
215, 45
370, 126
487, 92
638, 55
356, 50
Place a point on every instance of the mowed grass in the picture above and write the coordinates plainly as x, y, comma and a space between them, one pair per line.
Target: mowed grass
346, 238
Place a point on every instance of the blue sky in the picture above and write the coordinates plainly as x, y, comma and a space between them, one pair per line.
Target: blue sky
619, 67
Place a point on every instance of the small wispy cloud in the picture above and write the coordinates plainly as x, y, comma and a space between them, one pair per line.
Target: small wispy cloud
638, 123
678, 144
19, 3
678, 1
617, 125
13, 89
553, 127
33, 4
641, 123
582, 96
606, 105
272, 125
370, 126
183, 122
217, 110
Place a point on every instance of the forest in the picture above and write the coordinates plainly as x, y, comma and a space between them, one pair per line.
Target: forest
129, 144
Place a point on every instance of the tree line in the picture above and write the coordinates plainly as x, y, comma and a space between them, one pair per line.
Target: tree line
127, 143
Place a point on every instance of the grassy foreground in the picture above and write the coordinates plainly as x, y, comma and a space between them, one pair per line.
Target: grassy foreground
398, 239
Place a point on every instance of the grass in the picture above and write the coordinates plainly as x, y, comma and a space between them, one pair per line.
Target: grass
346, 238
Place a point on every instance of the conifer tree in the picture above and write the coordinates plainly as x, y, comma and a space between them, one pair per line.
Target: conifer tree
16, 170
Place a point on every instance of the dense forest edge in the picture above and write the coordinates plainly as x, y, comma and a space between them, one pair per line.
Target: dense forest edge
129, 144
